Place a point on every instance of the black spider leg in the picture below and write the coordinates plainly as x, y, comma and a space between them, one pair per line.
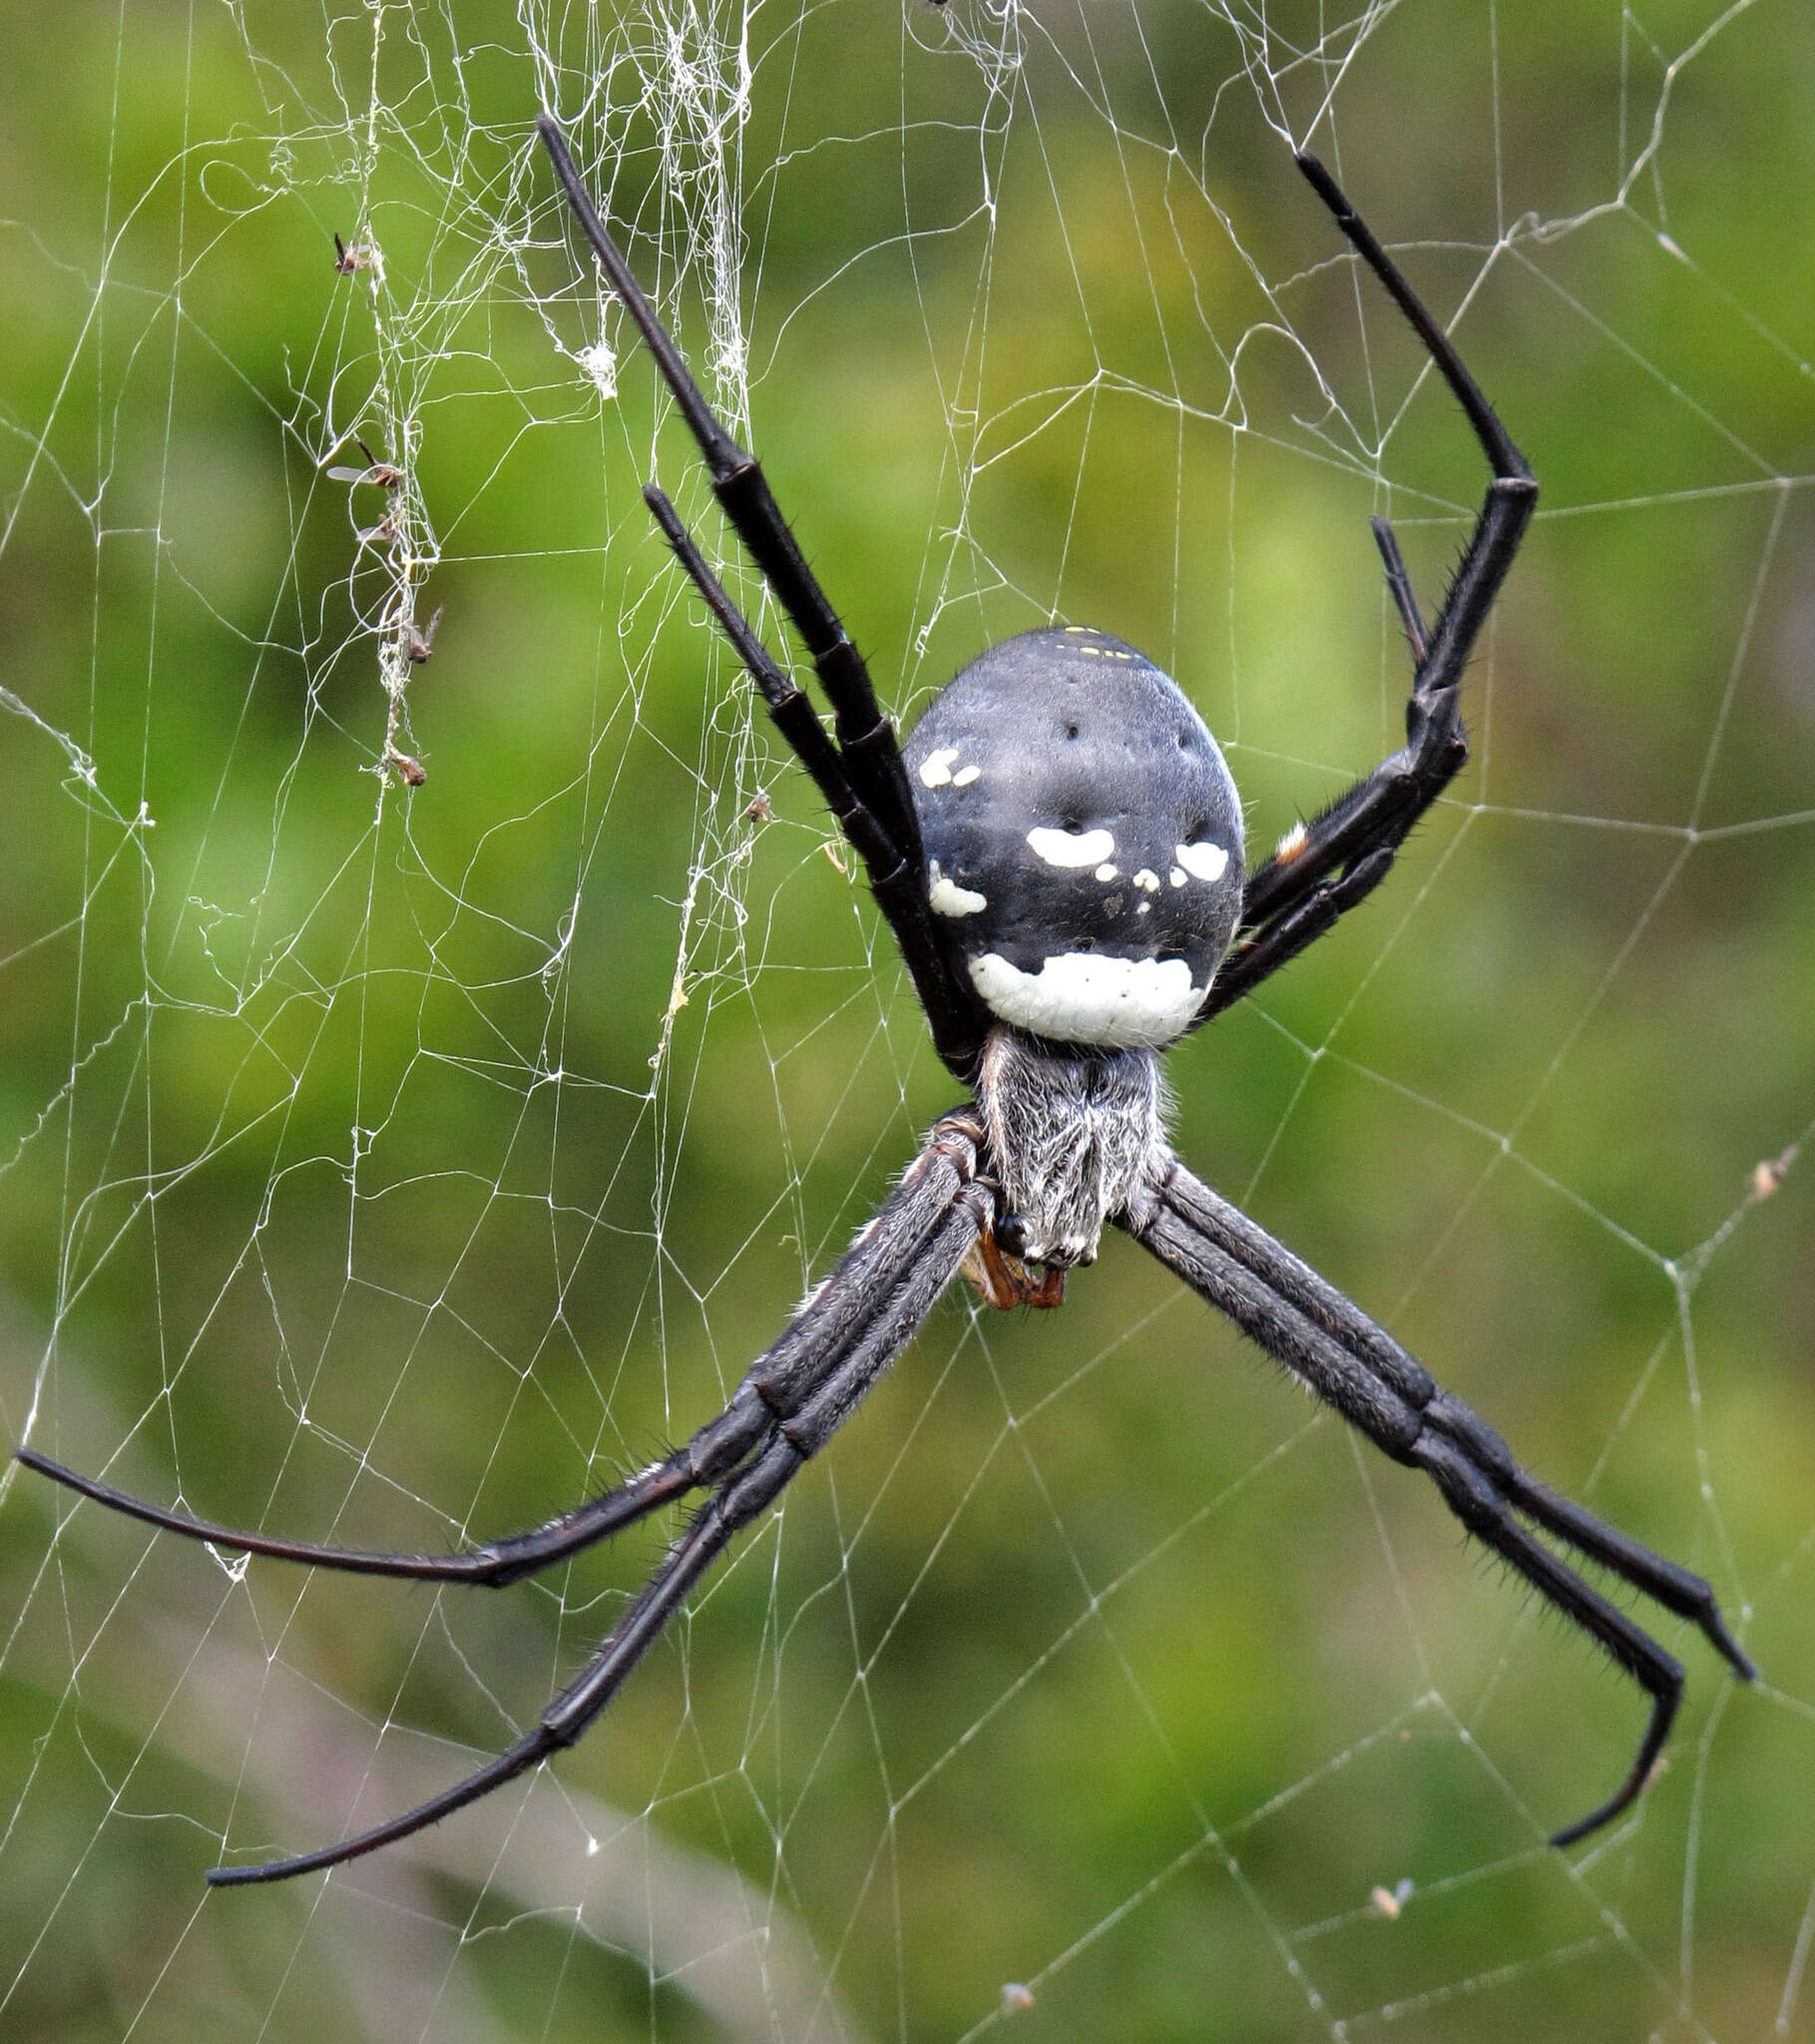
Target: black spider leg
1399, 586
958, 1021
1336, 1352
870, 760
1324, 870
794, 1399
865, 734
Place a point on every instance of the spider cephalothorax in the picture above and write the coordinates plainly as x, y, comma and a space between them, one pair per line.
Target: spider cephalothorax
1071, 1132
1059, 857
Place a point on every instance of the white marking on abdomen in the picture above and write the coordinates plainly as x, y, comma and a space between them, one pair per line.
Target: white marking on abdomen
1070, 847
948, 898
936, 768
1085, 998
1206, 862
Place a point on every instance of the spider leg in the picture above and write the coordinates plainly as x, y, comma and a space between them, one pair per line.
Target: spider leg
862, 775
956, 1019
1399, 586
1353, 1364
1323, 868
738, 1501
778, 1386
792, 1402
865, 734
494, 1565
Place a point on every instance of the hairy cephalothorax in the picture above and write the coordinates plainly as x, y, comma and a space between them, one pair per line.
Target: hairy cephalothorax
1071, 1131
1057, 853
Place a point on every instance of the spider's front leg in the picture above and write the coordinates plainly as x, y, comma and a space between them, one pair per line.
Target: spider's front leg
794, 1399
1333, 1348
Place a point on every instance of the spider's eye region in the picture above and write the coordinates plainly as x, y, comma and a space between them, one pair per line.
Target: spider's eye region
1082, 838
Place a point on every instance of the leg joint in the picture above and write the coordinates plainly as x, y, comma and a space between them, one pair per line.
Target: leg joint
959, 1138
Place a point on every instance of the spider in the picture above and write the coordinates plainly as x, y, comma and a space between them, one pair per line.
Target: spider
1058, 852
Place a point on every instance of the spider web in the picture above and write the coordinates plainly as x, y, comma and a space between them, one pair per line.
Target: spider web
429, 1081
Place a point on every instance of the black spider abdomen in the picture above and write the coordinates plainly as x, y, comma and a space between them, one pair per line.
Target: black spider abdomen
1082, 838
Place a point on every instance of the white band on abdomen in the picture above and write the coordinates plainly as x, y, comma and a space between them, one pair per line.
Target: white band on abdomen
1086, 997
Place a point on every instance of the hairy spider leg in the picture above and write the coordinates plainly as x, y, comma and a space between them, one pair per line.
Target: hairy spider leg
1354, 1366
793, 1399
787, 1375
494, 1566
1325, 867
865, 734
1399, 586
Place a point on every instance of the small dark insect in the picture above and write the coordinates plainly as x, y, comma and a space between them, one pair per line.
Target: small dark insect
420, 644
387, 532
351, 258
410, 771
1058, 852
383, 475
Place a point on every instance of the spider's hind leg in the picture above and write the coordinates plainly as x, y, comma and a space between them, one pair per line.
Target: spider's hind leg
1322, 870
896, 878
860, 768
866, 738
1399, 586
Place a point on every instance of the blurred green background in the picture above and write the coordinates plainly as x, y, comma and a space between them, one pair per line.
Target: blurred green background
397, 1167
